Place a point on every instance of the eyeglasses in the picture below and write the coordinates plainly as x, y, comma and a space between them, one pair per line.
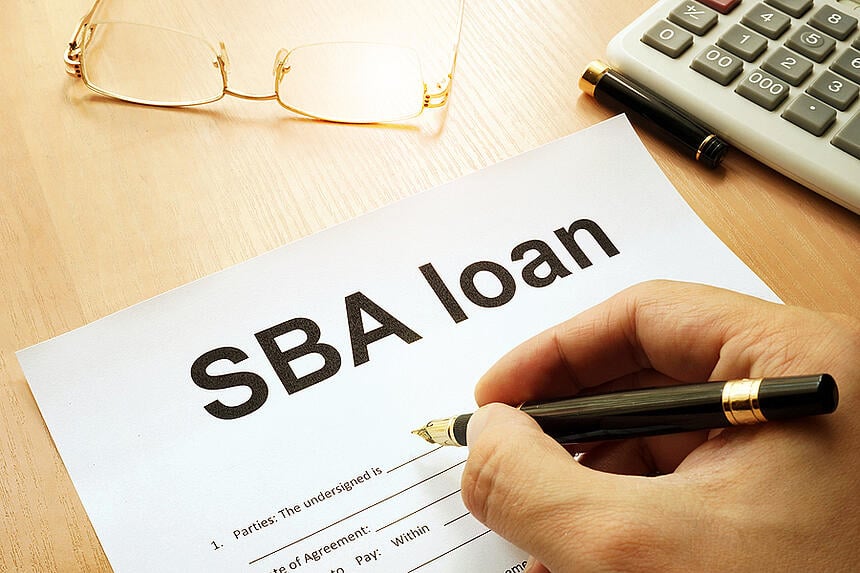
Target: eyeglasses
347, 82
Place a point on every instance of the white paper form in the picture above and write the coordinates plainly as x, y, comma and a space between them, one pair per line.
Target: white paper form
259, 419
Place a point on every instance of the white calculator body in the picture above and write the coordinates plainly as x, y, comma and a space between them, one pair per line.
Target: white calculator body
777, 79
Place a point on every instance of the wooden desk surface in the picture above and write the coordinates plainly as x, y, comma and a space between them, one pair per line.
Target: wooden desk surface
105, 204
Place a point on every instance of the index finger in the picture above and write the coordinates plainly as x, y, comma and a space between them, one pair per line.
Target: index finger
661, 331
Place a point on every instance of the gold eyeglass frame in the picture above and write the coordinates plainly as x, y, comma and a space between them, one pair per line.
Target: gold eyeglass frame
75, 66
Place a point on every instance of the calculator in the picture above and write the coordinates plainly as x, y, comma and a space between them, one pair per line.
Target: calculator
777, 79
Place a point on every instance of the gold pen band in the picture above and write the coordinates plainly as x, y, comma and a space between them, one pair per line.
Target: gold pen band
703, 144
741, 403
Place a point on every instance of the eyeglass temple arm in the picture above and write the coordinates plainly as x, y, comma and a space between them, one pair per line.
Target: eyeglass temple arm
73, 50
439, 97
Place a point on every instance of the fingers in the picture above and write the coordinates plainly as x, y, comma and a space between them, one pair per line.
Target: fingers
516, 477
523, 485
653, 456
536, 567
526, 487
654, 333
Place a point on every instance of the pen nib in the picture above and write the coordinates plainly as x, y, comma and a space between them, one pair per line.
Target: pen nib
423, 433
438, 432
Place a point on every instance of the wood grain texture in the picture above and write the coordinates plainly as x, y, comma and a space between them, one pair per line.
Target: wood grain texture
105, 204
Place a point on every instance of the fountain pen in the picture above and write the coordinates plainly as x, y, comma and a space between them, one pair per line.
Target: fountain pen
608, 85
664, 410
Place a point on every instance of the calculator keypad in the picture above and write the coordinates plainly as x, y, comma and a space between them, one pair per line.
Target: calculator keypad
775, 47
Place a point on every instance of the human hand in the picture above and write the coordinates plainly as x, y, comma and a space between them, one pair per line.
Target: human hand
781, 496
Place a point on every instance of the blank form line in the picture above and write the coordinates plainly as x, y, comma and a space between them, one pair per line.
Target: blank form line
456, 518
414, 459
449, 551
417, 510
290, 544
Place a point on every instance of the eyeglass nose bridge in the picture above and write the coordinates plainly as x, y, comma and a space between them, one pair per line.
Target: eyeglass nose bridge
223, 62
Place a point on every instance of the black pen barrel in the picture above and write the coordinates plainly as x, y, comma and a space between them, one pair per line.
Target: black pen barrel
683, 408
634, 413
796, 396
608, 86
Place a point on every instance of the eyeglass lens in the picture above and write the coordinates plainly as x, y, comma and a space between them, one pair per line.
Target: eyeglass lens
353, 82
152, 65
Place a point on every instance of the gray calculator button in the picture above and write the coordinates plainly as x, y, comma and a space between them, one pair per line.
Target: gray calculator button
694, 17
788, 66
837, 24
856, 43
848, 138
717, 64
848, 64
668, 38
796, 8
834, 90
764, 19
811, 43
743, 42
810, 114
764, 89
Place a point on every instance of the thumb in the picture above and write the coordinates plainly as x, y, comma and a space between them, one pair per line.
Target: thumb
527, 488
